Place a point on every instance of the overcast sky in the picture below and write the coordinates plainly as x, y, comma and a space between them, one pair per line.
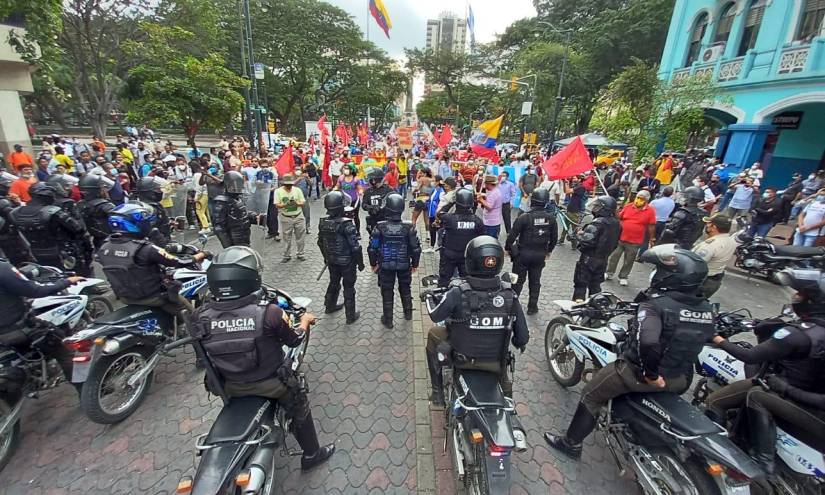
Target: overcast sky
409, 19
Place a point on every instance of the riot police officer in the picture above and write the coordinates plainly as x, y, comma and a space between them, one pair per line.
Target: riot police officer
232, 221
12, 244
394, 252
150, 192
63, 185
530, 242
458, 229
796, 392
373, 198
596, 241
240, 318
672, 325
56, 237
95, 206
685, 226
338, 241
134, 266
481, 296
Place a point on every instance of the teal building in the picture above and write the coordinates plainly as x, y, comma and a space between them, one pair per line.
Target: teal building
768, 56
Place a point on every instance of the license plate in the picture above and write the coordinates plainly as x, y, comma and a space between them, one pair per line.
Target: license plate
80, 372
738, 490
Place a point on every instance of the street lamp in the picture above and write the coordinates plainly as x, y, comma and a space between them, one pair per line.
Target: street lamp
557, 108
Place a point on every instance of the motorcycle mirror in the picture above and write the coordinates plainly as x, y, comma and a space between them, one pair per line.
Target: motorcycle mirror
787, 310
180, 223
302, 302
429, 280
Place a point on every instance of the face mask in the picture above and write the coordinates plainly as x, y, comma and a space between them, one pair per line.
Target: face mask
766, 195
26, 175
695, 182
820, 198
812, 176
347, 172
212, 170
639, 203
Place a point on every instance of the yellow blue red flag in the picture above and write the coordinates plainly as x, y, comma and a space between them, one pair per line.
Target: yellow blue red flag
381, 16
484, 138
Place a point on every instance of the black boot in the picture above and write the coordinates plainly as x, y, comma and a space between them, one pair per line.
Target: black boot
333, 308
762, 438
571, 444
436, 380
349, 308
386, 301
331, 301
407, 304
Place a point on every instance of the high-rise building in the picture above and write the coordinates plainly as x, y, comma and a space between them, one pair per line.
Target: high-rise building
448, 32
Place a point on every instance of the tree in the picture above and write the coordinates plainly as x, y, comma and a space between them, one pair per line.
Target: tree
175, 88
444, 68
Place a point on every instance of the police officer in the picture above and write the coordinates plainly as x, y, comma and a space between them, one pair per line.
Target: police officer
14, 246
672, 325
684, 226
56, 237
458, 229
232, 220
373, 198
530, 242
134, 266
63, 185
394, 251
796, 391
338, 241
150, 192
481, 296
243, 335
95, 206
596, 241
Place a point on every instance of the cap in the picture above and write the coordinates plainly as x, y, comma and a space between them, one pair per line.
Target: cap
721, 221
490, 179
287, 180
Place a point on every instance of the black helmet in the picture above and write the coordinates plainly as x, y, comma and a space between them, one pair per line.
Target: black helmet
810, 289
675, 268
234, 273
692, 196
375, 176
483, 257
133, 219
62, 184
464, 199
92, 185
151, 189
334, 203
43, 192
604, 206
233, 182
394, 204
539, 198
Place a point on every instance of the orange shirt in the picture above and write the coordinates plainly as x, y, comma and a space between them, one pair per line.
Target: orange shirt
20, 187
20, 158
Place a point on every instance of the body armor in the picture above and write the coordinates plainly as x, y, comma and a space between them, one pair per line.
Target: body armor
459, 230
55, 237
481, 330
13, 245
127, 278
231, 221
334, 244
806, 373
600, 237
685, 226
373, 201
95, 213
393, 254
538, 232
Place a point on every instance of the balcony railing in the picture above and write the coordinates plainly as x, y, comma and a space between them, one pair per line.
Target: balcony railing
793, 60
731, 69
680, 74
704, 70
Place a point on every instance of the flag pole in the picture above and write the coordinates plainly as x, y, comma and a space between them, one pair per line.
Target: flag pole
368, 64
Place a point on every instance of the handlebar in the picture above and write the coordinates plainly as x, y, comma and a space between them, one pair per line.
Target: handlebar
179, 343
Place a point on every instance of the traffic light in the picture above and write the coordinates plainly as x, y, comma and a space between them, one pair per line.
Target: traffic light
513, 84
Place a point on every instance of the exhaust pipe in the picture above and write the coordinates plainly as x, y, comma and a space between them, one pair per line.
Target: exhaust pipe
9, 422
144, 372
258, 469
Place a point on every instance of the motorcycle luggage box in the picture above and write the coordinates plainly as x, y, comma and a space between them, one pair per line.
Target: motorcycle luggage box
798, 251
130, 314
481, 389
666, 407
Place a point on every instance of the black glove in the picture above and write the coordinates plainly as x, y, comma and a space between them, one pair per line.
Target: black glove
361, 267
777, 384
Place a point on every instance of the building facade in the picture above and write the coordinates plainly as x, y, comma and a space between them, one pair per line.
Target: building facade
15, 78
768, 57
448, 32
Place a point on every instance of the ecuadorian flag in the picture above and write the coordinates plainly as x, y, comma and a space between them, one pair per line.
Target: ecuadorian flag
381, 16
484, 138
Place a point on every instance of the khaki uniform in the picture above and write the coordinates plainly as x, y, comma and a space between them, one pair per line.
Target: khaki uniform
717, 252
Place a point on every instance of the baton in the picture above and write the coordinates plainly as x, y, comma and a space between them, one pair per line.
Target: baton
321, 273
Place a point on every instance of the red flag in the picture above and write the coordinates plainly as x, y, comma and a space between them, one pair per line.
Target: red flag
482, 152
325, 171
341, 133
322, 128
363, 134
445, 137
286, 162
571, 160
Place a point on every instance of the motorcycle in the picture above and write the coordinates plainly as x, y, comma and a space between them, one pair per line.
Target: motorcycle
479, 419
25, 368
669, 445
758, 256
800, 467
116, 355
237, 455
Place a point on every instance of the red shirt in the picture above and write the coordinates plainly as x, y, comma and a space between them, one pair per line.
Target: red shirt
391, 179
634, 223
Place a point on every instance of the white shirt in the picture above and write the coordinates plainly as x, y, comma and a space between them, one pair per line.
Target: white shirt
814, 213
335, 167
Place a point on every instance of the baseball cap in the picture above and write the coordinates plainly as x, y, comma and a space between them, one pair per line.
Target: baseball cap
722, 222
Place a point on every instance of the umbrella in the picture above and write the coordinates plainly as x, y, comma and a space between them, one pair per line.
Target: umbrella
591, 140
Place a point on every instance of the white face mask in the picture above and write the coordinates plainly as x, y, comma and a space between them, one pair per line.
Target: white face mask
812, 176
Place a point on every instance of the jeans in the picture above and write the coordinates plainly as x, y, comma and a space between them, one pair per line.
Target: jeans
402, 190
505, 214
629, 251
804, 239
759, 230
492, 230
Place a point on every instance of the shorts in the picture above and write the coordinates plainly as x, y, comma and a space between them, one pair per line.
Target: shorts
420, 205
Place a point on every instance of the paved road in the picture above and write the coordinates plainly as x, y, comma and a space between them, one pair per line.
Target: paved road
363, 398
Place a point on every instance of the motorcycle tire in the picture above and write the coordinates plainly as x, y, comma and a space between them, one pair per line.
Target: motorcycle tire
102, 304
90, 402
8, 444
578, 366
481, 484
694, 469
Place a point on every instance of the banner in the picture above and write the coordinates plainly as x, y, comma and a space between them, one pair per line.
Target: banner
405, 137
311, 127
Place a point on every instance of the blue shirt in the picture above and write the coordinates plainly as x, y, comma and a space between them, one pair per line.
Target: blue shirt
742, 197
508, 191
444, 170
434, 197
664, 206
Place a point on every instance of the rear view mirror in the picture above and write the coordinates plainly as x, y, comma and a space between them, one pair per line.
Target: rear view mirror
429, 280
180, 223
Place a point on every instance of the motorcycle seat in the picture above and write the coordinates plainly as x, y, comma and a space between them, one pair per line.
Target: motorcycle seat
480, 389
679, 414
130, 314
239, 419
798, 251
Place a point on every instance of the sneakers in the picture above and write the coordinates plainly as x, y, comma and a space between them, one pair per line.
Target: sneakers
623, 282
608, 276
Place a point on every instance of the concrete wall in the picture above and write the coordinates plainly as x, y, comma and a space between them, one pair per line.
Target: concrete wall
15, 78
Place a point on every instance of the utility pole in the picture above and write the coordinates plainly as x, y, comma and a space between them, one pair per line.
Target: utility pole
247, 117
557, 108
255, 103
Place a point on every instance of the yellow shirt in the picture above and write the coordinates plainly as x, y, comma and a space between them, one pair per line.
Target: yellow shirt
67, 162
128, 157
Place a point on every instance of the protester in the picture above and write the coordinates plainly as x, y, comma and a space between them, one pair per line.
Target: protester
742, 199
20, 188
508, 194
289, 201
637, 220
811, 222
575, 207
491, 202
663, 206
18, 158
765, 214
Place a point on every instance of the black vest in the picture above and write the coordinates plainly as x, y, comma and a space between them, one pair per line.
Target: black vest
539, 228
95, 213
609, 232
333, 240
127, 278
233, 336
691, 226
36, 224
459, 230
480, 329
373, 200
806, 373
394, 251
686, 328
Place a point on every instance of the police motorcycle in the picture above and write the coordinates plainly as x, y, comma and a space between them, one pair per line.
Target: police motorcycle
237, 455
759, 256
478, 418
116, 355
668, 444
25, 368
